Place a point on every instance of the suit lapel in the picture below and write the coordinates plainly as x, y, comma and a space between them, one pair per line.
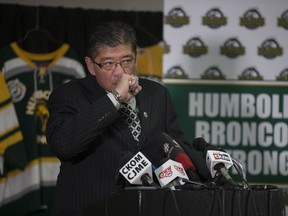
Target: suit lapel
145, 107
92, 88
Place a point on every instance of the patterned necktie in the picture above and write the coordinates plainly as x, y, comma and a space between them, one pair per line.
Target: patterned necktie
131, 117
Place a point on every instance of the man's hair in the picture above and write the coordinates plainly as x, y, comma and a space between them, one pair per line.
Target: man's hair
110, 34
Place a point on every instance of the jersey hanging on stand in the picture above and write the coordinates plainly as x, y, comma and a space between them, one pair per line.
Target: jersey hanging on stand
29, 168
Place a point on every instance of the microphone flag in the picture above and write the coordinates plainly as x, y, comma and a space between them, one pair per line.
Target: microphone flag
169, 171
214, 157
135, 168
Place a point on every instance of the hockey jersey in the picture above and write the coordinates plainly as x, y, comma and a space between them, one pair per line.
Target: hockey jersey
28, 169
149, 61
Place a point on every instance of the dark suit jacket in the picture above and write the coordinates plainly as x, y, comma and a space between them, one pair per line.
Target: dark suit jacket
88, 135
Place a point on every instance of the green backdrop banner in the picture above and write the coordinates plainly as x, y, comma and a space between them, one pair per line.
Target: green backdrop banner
247, 119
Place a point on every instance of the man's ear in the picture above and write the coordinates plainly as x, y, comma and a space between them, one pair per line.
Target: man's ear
89, 65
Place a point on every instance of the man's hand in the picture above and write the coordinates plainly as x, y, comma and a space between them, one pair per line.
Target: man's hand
128, 86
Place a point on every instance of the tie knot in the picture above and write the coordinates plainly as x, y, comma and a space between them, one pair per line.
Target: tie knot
124, 105
126, 108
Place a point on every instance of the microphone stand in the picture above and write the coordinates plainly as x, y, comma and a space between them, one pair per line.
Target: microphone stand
239, 168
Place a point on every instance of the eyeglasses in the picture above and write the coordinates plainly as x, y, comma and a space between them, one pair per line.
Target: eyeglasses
108, 66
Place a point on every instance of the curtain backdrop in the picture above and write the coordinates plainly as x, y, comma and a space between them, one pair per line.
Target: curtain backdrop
72, 25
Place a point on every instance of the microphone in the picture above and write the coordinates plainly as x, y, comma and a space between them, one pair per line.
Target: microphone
138, 170
217, 160
174, 151
125, 157
170, 173
201, 144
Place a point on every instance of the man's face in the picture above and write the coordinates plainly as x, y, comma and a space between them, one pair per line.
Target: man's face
106, 58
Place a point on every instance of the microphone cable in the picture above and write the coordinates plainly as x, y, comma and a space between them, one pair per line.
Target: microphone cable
220, 205
208, 187
251, 192
174, 201
200, 185
264, 187
107, 204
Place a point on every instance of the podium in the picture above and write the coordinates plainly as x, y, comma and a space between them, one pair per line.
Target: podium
138, 201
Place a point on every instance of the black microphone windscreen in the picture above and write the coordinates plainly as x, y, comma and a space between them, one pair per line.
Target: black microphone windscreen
199, 144
171, 147
202, 145
124, 158
164, 137
163, 160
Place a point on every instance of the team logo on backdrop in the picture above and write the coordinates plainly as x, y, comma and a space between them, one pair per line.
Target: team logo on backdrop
283, 76
213, 73
252, 19
166, 48
250, 73
283, 20
176, 72
42, 113
214, 18
17, 90
232, 48
37, 107
270, 49
195, 47
177, 18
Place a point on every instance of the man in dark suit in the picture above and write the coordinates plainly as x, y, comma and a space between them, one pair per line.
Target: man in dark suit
86, 130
